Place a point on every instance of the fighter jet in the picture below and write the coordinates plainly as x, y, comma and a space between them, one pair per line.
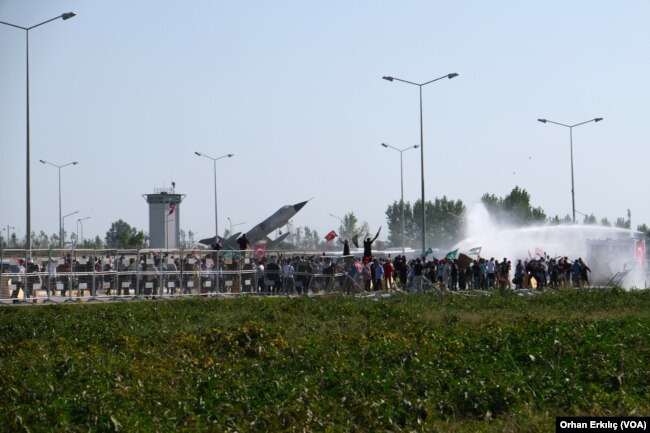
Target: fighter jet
260, 232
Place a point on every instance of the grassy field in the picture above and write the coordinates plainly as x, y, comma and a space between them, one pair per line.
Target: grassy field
422, 362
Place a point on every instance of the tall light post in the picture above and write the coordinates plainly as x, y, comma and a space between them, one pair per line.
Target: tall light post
420, 85
214, 167
63, 223
59, 167
401, 176
28, 223
337, 217
80, 221
9, 232
573, 193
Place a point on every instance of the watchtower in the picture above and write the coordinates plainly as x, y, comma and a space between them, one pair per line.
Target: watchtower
164, 217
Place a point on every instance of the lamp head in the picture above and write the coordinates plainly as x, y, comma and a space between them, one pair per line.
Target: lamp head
68, 15
387, 78
416, 146
230, 155
197, 153
42, 161
598, 119
384, 144
541, 120
452, 75
75, 162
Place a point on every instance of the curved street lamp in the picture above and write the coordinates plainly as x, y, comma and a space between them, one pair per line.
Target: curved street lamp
573, 194
28, 228
401, 175
80, 221
214, 167
63, 220
59, 167
420, 85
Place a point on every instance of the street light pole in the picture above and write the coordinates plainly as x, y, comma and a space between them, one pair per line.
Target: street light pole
573, 194
401, 175
80, 221
63, 223
28, 224
420, 85
9, 232
59, 167
214, 168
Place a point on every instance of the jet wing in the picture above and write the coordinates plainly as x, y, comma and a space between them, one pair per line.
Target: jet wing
230, 241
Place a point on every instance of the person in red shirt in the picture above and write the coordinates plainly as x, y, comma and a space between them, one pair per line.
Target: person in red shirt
388, 273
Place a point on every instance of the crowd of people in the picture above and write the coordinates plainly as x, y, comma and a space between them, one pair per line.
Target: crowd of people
153, 274
478, 274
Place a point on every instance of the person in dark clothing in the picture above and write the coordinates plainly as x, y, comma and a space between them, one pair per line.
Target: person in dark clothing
454, 276
216, 244
584, 269
243, 242
346, 247
367, 247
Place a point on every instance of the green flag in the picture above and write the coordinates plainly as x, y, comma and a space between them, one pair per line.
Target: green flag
451, 255
428, 251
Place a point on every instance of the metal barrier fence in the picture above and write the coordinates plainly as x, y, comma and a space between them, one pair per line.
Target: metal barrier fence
40, 276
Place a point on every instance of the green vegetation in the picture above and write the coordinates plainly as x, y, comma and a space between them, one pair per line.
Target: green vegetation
422, 362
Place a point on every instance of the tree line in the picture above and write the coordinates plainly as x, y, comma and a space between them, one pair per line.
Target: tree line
443, 226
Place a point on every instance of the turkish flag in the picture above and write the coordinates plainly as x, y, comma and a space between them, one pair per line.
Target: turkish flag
640, 251
331, 235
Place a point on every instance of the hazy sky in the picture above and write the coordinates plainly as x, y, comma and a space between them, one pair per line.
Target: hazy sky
131, 89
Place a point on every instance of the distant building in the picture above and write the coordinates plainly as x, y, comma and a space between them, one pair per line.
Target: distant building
164, 217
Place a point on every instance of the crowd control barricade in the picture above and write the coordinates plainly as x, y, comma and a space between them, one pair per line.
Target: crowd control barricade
69, 275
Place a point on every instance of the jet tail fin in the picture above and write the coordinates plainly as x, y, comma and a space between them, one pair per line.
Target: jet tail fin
273, 243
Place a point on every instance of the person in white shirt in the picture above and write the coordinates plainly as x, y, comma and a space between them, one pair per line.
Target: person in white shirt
287, 274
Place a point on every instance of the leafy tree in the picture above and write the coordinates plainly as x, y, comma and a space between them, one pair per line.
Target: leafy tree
43, 242
445, 222
122, 235
643, 228
396, 224
186, 239
493, 204
350, 227
605, 222
302, 238
590, 220
514, 208
95, 244
624, 223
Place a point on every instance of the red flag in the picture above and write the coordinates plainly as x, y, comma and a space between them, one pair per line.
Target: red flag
331, 235
171, 208
260, 249
640, 251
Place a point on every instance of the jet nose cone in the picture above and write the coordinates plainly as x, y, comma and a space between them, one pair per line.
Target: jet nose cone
299, 206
